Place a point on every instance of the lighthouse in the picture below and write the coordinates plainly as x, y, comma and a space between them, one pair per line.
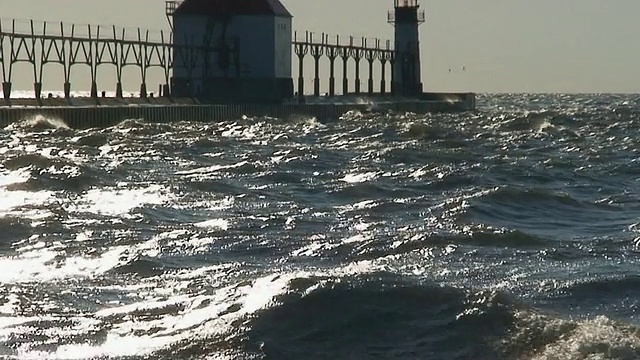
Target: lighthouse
407, 18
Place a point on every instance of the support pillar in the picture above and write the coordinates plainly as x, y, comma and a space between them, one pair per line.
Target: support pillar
94, 90
383, 73
332, 83
143, 90
317, 51
67, 90
357, 56
6, 90
357, 59
119, 90
332, 54
316, 80
300, 87
332, 75
37, 89
370, 81
301, 50
345, 76
371, 56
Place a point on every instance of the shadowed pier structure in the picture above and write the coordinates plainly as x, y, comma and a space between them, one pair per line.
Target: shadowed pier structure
41, 44
69, 45
221, 58
354, 49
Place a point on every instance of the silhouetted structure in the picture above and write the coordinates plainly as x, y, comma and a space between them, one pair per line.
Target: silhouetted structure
41, 44
252, 63
353, 49
407, 18
223, 52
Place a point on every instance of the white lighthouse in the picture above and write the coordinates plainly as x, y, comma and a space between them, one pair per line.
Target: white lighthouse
406, 18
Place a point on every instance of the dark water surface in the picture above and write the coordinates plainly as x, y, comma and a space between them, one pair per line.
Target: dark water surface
508, 233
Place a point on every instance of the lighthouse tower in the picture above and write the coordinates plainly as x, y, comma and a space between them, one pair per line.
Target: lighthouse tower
406, 18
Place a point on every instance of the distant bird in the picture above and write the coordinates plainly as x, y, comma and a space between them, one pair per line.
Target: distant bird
464, 68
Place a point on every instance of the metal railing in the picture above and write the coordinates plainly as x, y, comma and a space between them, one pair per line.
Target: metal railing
420, 16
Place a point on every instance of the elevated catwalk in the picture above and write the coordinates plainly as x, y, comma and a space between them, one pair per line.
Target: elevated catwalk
43, 44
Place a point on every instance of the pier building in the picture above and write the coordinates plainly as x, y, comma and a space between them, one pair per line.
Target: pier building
252, 63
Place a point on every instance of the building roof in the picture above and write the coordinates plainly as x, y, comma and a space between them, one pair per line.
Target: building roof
232, 7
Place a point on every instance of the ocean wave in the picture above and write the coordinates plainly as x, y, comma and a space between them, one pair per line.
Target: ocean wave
13, 229
373, 318
497, 238
506, 233
544, 337
618, 286
428, 132
546, 212
328, 315
141, 266
94, 140
53, 173
27, 160
384, 318
39, 123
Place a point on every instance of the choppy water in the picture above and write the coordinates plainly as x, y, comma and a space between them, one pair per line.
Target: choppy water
509, 233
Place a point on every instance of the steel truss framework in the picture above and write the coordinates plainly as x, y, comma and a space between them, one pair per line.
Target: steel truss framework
40, 44
334, 50
46, 43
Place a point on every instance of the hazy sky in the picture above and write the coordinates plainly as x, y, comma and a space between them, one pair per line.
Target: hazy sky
505, 45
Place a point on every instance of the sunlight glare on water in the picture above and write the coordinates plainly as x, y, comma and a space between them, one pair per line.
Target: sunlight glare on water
506, 233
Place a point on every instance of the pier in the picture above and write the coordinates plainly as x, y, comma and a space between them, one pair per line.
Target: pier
42, 44
331, 49
220, 58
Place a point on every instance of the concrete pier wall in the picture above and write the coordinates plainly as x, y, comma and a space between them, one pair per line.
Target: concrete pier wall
104, 116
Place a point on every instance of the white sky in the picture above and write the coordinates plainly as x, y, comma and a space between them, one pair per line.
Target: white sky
505, 45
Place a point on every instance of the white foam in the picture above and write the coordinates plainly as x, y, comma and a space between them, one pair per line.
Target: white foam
39, 262
366, 204
356, 238
119, 202
312, 249
597, 338
204, 316
51, 122
221, 224
209, 169
10, 200
359, 178
35, 265
210, 205
14, 177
